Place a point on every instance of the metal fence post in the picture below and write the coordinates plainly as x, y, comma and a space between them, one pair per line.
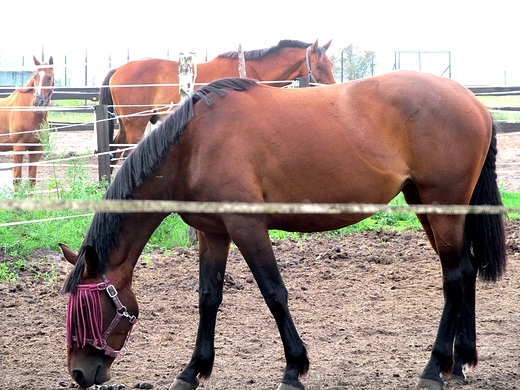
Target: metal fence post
103, 141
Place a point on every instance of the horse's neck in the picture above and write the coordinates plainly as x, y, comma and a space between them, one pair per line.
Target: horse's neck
133, 233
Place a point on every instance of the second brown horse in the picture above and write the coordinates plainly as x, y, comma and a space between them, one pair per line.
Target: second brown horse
145, 90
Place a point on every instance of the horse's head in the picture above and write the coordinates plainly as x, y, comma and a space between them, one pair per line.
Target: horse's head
43, 82
101, 312
318, 65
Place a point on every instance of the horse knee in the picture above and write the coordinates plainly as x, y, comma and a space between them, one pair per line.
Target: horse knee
209, 300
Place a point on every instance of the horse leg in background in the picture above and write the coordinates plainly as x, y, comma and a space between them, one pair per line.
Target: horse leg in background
18, 153
33, 159
120, 139
252, 239
213, 253
458, 273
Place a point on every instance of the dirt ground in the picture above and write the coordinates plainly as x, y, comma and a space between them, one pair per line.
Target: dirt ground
367, 305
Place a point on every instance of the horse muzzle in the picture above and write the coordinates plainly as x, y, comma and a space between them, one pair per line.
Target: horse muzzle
40, 100
96, 372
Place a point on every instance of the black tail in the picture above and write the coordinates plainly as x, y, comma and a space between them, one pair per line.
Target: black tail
485, 232
105, 97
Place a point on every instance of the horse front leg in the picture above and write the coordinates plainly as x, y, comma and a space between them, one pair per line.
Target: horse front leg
252, 238
213, 252
17, 162
34, 158
456, 272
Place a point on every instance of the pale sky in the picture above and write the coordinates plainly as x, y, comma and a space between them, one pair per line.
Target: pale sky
481, 36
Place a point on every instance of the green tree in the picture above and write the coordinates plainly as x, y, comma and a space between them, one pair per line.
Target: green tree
350, 63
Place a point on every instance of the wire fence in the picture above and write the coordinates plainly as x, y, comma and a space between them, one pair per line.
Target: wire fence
195, 207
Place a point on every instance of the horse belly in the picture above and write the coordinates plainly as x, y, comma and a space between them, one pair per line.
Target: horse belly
313, 222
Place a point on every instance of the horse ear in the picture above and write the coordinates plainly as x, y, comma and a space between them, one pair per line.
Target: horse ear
91, 261
68, 253
314, 45
51, 61
36, 62
327, 45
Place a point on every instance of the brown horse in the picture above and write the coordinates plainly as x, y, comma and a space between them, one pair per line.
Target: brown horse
145, 91
21, 120
237, 141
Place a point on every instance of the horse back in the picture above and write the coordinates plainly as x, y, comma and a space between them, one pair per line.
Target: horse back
130, 78
335, 144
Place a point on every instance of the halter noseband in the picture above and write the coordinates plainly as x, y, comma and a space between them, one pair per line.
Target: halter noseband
85, 317
309, 71
43, 98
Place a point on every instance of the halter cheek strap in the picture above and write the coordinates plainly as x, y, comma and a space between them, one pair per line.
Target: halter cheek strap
309, 70
121, 312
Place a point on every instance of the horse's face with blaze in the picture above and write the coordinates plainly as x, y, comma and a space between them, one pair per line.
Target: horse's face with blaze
101, 311
43, 82
319, 64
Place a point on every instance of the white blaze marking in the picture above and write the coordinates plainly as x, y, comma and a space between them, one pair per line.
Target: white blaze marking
41, 73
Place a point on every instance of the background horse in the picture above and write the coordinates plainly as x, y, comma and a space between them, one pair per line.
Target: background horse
20, 122
137, 95
237, 141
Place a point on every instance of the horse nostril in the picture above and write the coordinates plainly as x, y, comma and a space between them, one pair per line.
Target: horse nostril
79, 378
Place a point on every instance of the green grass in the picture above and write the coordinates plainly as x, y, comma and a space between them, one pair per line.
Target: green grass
502, 101
71, 117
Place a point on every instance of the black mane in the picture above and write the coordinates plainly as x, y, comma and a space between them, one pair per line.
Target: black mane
147, 156
260, 53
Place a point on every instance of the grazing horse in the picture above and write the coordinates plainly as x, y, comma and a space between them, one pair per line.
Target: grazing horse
145, 90
235, 140
21, 120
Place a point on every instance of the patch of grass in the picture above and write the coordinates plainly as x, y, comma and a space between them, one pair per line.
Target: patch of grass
18, 241
6, 275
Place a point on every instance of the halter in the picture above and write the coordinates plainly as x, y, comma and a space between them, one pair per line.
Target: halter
309, 71
43, 98
85, 317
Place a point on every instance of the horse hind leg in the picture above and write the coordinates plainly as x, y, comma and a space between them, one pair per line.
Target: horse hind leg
455, 344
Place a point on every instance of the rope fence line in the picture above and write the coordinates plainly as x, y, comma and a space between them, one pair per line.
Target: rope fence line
159, 206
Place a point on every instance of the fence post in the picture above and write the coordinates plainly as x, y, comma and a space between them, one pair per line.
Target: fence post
103, 141
241, 63
185, 75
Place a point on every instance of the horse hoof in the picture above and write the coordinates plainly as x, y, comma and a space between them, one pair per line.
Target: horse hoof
428, 384
284, 386
179, 384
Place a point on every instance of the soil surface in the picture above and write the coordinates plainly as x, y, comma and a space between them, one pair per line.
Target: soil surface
367, 305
